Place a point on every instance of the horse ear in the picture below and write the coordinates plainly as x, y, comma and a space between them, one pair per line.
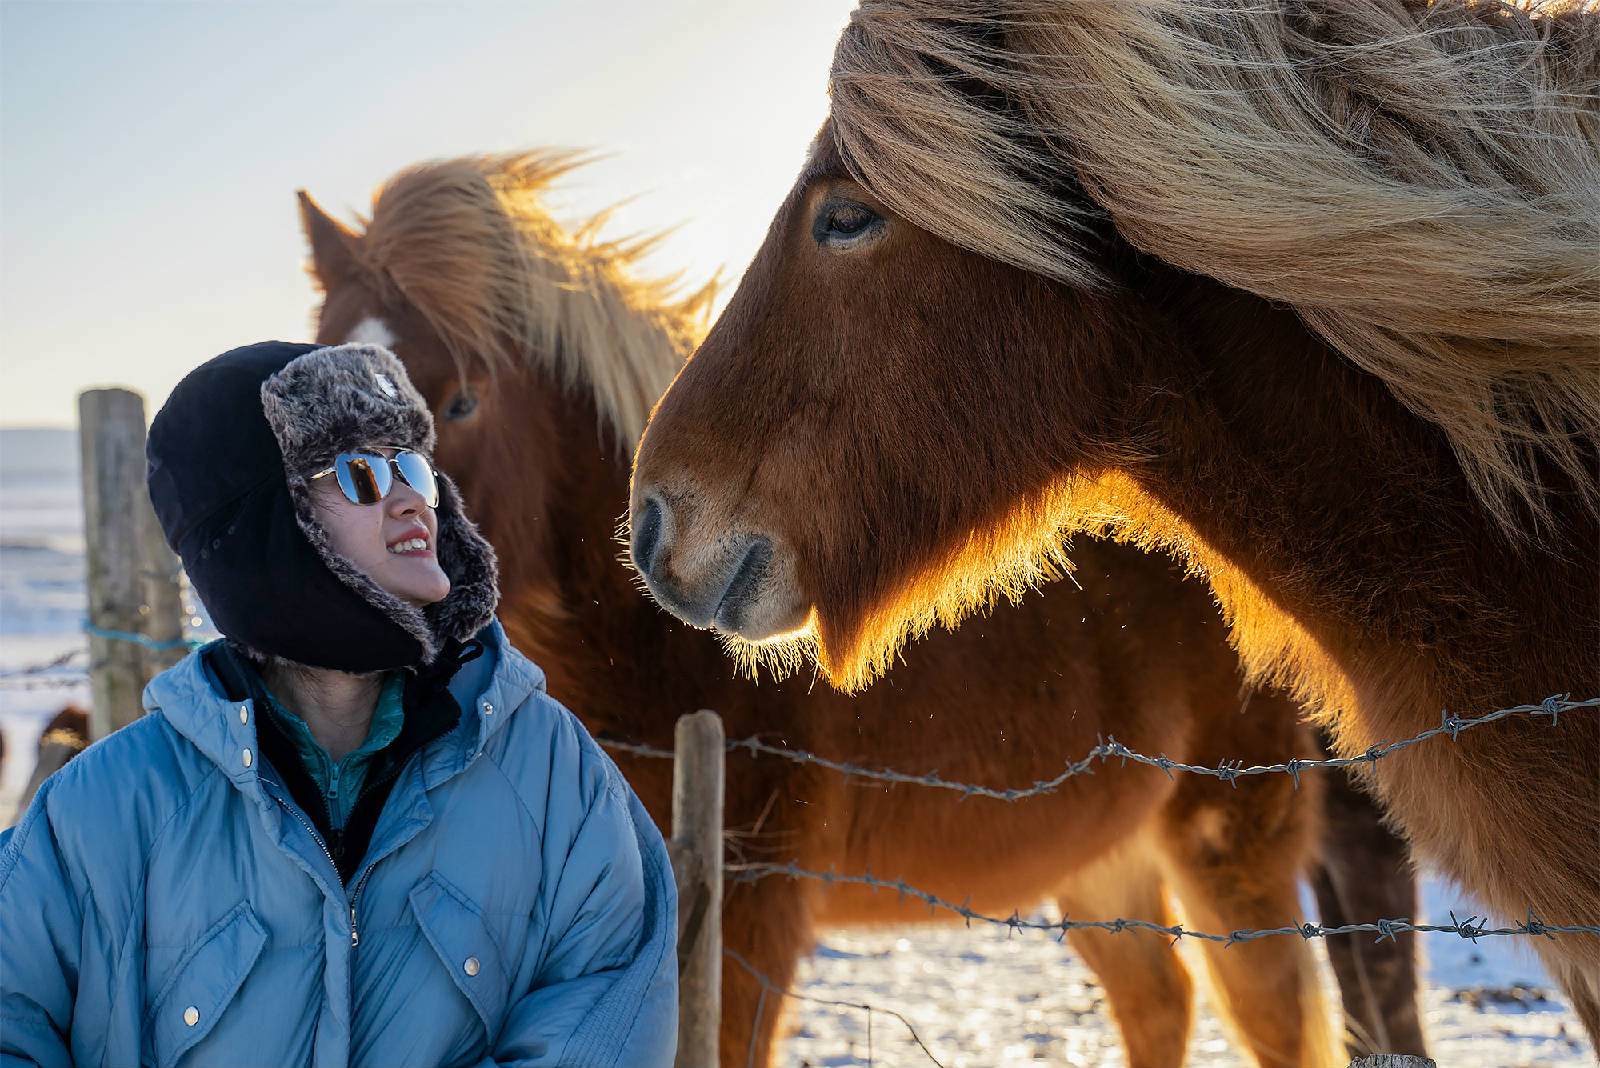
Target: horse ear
333, 246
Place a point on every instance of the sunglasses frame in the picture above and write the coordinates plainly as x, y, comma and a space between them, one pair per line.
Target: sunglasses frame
391, 467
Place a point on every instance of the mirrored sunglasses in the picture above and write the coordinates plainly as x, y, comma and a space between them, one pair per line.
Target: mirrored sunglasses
367, 477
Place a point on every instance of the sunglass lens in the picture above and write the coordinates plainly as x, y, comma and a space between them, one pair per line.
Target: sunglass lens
364, 479
418, 473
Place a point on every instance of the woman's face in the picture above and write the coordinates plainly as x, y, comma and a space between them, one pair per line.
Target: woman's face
393, 541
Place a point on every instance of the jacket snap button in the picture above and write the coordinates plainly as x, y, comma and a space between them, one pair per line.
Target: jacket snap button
246, 758
471, 966
191, 1016
244, 714
488, 709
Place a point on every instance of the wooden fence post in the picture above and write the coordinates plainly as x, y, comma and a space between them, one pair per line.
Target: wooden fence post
133, 586
164, 613
696, 847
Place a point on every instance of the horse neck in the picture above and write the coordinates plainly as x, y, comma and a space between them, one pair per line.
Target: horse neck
574, 607
1337, 527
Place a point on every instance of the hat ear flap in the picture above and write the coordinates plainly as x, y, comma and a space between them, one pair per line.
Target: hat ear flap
470, 562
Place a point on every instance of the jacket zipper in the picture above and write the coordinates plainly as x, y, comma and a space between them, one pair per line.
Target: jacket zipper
355, 932
355, 935
355, 938
389, 774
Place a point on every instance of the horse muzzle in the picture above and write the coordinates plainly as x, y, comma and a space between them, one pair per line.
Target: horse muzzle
728, 580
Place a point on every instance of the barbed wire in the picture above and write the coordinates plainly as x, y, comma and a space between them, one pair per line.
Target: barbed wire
64, 682
1471, 928
1108, 748
767, 985
35, 676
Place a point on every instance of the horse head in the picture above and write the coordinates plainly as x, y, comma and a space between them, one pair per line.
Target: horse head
536, 348
869, 377
500, 474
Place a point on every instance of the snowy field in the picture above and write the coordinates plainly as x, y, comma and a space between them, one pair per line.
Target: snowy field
975, 997
980, 997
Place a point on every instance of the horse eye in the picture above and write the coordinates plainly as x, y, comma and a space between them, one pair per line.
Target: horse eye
849, 219
463, 404
842, 221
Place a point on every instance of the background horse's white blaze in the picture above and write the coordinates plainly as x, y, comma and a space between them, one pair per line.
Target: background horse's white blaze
372, 331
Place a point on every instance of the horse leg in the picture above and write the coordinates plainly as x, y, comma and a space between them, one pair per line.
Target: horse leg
1582, 988
769, 925
1365, 874
1147, 987
1234, 857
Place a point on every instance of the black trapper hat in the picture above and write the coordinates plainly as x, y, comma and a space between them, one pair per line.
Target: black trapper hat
230, 454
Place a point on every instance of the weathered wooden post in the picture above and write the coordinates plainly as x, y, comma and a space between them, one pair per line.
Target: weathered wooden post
132, 584
697, 801
163, 589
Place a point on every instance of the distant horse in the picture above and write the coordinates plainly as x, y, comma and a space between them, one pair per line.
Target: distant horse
64, 737
541, 357
1306, 293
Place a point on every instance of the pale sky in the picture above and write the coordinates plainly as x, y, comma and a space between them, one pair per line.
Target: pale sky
149, 152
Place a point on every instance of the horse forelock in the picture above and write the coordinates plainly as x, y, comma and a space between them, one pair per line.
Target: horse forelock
469, 244
1420, 182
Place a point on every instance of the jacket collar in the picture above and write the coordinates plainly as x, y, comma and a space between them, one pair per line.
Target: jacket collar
488, 690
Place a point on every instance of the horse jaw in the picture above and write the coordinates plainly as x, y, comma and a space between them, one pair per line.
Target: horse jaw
1031, 547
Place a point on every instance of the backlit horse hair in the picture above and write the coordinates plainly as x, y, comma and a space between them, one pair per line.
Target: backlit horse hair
469, 243
1420, 182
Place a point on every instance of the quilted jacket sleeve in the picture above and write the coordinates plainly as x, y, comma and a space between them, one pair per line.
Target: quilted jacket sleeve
39, 953
606, 987
71, 894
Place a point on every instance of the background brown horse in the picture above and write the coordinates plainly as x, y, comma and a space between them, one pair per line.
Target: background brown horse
992, 311
540, 357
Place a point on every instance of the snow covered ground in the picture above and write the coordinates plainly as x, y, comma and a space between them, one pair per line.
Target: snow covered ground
981, 997
975, 997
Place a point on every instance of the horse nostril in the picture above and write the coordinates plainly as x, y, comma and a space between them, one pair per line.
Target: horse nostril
744, 587
647, 533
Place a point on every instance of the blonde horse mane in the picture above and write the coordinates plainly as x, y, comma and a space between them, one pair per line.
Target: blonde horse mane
1420, 182
470, 245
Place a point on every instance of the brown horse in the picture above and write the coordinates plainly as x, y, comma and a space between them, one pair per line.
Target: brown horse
540, 358
64, 737
1303, 293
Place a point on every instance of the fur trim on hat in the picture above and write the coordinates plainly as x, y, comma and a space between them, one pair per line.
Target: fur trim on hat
336, 399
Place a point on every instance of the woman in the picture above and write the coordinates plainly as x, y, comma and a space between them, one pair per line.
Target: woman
355, 830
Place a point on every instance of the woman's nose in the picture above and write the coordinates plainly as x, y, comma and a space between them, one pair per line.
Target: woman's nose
403, 500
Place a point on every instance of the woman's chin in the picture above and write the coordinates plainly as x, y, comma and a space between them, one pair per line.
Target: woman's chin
420, 590
423, 600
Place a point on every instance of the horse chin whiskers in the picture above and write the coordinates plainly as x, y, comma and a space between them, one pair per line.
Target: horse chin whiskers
781, 655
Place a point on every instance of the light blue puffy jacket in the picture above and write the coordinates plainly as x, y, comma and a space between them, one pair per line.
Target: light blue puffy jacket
163, 901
